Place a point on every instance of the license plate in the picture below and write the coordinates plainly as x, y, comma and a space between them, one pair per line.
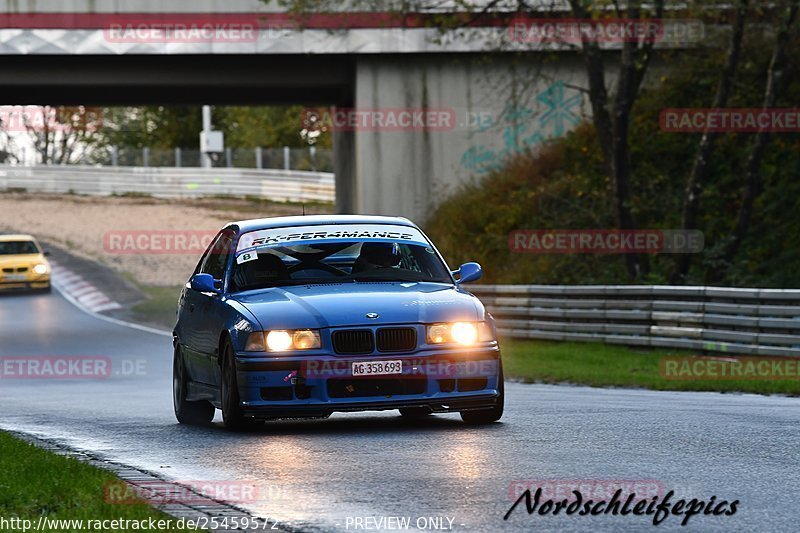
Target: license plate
15, 277
377, 368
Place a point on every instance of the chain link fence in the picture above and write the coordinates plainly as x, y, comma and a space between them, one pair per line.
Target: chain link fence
285, 158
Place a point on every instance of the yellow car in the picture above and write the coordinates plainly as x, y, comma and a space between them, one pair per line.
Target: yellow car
23, 264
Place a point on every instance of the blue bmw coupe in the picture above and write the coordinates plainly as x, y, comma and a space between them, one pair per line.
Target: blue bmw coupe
303, 316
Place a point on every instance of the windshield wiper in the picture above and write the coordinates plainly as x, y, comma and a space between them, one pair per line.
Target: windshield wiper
279, 283
384, 279
306, 281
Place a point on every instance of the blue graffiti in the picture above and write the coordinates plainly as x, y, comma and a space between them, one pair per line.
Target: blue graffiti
559, 109
519, 131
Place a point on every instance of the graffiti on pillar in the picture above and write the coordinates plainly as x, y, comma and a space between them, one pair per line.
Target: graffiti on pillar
523, 127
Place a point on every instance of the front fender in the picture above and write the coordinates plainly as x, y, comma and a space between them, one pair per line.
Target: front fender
240, 322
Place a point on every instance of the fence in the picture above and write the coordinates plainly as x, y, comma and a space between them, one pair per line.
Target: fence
714, 319
278, 185
308, 159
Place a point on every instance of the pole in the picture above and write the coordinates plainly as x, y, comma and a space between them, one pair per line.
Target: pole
206, 158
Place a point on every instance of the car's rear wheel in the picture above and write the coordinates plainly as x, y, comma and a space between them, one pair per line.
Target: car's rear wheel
493, 414
196, 413
232, 414
415, 412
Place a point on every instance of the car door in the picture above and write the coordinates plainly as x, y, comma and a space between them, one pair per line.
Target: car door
215, 310
204, 313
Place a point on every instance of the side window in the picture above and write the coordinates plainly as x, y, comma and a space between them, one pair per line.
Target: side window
217, 256
199, 268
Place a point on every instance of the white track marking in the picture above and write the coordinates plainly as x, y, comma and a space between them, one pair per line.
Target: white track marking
74, 281
89, 296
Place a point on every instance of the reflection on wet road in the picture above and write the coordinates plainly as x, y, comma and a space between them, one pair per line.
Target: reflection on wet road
324, 474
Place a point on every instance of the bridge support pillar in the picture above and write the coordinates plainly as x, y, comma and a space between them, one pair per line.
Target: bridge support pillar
344, 157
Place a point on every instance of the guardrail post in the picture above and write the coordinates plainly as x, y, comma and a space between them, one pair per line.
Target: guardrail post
145, 156
228, 157
178, 157
286, 156
259, 161
114, 156
312, 152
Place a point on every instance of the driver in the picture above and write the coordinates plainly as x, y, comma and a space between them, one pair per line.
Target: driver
375, 255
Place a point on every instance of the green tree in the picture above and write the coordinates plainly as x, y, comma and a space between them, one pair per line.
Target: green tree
161, 127
250, 127
564, 184
167, 127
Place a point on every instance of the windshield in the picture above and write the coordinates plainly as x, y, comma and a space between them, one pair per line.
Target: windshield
18, 247
325, 254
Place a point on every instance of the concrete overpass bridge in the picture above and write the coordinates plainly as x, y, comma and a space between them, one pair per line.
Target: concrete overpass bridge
89, 52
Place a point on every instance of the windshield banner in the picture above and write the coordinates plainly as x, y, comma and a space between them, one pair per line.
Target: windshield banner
329, 234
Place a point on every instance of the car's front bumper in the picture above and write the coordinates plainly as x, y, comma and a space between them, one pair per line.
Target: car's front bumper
30, 281
440, 380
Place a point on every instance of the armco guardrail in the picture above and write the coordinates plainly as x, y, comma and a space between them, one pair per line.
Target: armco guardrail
714, 319
279, 185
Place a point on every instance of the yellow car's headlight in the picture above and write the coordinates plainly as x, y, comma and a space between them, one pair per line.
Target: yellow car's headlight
280, 340
41, 268
463, 333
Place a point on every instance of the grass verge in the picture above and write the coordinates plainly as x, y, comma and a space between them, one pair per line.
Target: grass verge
593, 364
606, 365
159, 308
36, 482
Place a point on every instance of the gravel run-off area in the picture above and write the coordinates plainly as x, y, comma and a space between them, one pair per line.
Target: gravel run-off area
87, 225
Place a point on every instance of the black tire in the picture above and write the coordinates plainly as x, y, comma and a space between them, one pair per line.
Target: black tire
229, 391
199, 413
415, 412
493, 414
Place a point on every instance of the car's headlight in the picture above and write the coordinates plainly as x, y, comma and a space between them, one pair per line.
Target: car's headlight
464, 333
281, 340
305, 339
41, 268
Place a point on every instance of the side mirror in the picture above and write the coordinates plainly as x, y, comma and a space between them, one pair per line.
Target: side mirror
469, 272
203, 283
46, 253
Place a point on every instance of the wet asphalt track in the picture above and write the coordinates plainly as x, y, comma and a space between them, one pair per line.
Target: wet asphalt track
314, 475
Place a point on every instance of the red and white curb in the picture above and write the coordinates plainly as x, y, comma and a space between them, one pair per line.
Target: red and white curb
81, 291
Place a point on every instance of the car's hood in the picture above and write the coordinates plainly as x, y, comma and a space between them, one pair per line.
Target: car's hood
347, 304
21, 260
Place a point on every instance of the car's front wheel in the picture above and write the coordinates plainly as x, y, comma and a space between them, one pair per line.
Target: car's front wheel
493, 414
197, 413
